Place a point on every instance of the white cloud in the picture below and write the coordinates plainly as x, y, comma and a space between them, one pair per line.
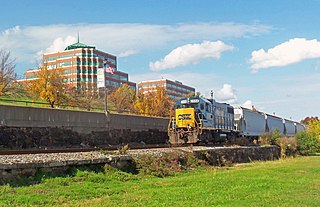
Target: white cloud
26, 41
127, 53
60, 44
226, 94
191, 53
248, 104
292, 51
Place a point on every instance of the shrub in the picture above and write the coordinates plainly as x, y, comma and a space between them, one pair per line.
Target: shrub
270, 138
165, 164
265, 138
308, 143
288, 146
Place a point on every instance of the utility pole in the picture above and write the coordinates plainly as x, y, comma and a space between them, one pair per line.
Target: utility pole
105, 88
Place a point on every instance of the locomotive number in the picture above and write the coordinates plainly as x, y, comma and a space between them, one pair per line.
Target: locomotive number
184, 117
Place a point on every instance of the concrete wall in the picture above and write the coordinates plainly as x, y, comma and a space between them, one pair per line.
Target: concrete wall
79, 121
28, 127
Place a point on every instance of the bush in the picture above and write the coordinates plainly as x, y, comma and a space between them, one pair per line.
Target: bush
308, 143
165, 164
288, 146
270, 138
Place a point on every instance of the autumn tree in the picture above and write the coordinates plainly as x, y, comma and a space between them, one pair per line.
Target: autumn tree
84, 97
7, 74
155, 103
309, 119
309, 139
193, 95
123, 98
161, 103
48, 86
143, 104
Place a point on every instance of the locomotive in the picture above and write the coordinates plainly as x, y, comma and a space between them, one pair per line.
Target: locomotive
205, 120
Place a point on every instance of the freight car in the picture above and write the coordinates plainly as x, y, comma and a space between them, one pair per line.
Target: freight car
253, 123
205, 120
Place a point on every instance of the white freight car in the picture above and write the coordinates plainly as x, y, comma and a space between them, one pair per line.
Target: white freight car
249, 123
273, 123
290, 128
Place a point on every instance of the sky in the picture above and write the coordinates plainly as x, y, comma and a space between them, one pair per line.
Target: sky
257, 53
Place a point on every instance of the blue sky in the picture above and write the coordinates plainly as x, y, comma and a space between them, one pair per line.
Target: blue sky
261, 53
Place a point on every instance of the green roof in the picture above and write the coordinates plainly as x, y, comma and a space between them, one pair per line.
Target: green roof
78, 45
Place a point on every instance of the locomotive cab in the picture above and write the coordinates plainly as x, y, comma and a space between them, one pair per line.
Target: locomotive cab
200, 119
186, 125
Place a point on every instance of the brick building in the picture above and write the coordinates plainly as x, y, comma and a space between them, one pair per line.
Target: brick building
174, 89
79, 63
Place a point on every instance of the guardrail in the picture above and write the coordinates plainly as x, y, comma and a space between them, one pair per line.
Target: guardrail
58, 106
47, 105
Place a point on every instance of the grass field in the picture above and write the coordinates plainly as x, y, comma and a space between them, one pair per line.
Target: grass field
288, 182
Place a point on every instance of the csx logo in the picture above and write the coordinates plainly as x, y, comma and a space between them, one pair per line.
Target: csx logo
184, 117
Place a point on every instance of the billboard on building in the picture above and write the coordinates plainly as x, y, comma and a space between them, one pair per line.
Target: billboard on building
101, 83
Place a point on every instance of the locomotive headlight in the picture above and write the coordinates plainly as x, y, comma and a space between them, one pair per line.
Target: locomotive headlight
184, 101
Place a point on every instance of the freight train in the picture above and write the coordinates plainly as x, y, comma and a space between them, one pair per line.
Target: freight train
205, 120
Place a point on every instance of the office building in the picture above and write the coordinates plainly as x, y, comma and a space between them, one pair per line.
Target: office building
79, 63
174, 89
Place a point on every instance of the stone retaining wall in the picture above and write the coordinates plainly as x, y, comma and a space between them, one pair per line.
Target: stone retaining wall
48, 137
20, 166
28, 127
225, 156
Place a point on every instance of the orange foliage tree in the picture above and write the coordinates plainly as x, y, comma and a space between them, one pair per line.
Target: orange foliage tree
123, 98
155, 103
47, 86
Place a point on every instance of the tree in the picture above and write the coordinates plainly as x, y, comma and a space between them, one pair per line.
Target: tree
85, 98
162, 104
194, 95
308, 119
155, 103
309, 140
141, 105
7, 74
123, 98
48, 86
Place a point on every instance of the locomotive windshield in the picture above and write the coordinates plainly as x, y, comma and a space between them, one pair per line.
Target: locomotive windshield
187, 103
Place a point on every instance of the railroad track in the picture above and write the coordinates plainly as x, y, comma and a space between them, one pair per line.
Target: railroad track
111, 148
64, 150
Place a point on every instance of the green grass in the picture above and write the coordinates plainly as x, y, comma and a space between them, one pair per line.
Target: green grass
288, 182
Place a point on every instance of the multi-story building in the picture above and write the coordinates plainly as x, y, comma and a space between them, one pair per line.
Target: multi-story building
79, 63
174, 89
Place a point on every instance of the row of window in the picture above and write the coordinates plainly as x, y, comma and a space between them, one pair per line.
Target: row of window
54, 58
116, 76
76, 63
179, 88
185, 90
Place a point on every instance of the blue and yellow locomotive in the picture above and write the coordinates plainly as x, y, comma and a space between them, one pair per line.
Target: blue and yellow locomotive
201, 120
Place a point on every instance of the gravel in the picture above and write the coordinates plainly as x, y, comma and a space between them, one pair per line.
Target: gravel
50, 157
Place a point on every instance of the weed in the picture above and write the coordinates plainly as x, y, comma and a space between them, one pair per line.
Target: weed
165, 164
270, 138
6, 189
123, 149
288, 146
115, 174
